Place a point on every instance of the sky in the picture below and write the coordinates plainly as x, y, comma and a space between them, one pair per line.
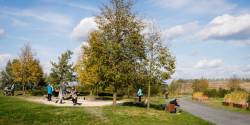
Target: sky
209, 38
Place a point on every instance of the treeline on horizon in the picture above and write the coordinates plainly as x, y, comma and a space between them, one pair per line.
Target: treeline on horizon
213, 79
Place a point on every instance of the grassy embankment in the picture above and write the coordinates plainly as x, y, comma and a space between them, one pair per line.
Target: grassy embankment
16, 111
217, 103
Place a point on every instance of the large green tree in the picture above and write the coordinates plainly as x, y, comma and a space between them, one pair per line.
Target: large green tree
114, 49
160, 64
62, 71
120, 31
119, 55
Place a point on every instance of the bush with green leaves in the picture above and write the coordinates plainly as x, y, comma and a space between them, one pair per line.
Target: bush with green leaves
220, 93
211, 93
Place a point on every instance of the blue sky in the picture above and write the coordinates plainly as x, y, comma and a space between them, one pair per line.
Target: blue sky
210, 38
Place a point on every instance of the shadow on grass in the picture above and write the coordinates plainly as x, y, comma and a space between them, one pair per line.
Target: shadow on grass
143, 105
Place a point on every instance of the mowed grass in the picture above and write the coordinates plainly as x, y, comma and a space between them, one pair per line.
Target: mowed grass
217, 103
14, 111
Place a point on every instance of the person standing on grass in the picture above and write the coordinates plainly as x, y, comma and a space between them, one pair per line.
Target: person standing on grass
74, 95
49, 90
61, 93
12, 89
139, 94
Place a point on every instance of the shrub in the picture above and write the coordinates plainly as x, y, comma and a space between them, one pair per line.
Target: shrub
83, 93
248, 101
220, 93
105, 94
237, 98
211, 93
38, 92
199, 96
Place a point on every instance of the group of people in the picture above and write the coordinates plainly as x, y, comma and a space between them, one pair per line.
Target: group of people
172, 106
62, 93
9, 91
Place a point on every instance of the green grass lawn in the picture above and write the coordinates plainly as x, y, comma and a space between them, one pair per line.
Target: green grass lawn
16, 111
217, 102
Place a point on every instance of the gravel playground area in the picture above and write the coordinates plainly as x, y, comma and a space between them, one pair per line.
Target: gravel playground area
69, 103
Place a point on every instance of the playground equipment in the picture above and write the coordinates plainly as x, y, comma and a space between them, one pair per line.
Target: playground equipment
9, 91
68, 94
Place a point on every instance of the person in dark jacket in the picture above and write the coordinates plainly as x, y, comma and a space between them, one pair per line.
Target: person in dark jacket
12, 89
175, 102
74, 96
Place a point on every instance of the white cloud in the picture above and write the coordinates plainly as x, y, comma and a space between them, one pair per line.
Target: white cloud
2, 32
228, 27
81, 6
173, 32
181, 30
39, 14
197, 6
246, 68
82, 30
222, 71
4, 58
78, 51
205, 63
46, 66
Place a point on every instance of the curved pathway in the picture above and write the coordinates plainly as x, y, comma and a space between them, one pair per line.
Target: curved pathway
214, 115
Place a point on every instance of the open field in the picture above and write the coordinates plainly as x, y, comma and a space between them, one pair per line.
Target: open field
187, 87
17, 111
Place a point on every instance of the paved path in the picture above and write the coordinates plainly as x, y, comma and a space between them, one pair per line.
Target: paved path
215, 115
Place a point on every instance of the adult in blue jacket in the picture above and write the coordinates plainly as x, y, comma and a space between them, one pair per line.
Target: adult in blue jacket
139, 94
49, 90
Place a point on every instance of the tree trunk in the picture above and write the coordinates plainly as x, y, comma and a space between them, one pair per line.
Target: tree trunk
114, 97
91, 92
148, 100
97, 91
128, 92
23, 89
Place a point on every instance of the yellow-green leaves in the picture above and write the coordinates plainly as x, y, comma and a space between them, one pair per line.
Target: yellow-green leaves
26, 69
